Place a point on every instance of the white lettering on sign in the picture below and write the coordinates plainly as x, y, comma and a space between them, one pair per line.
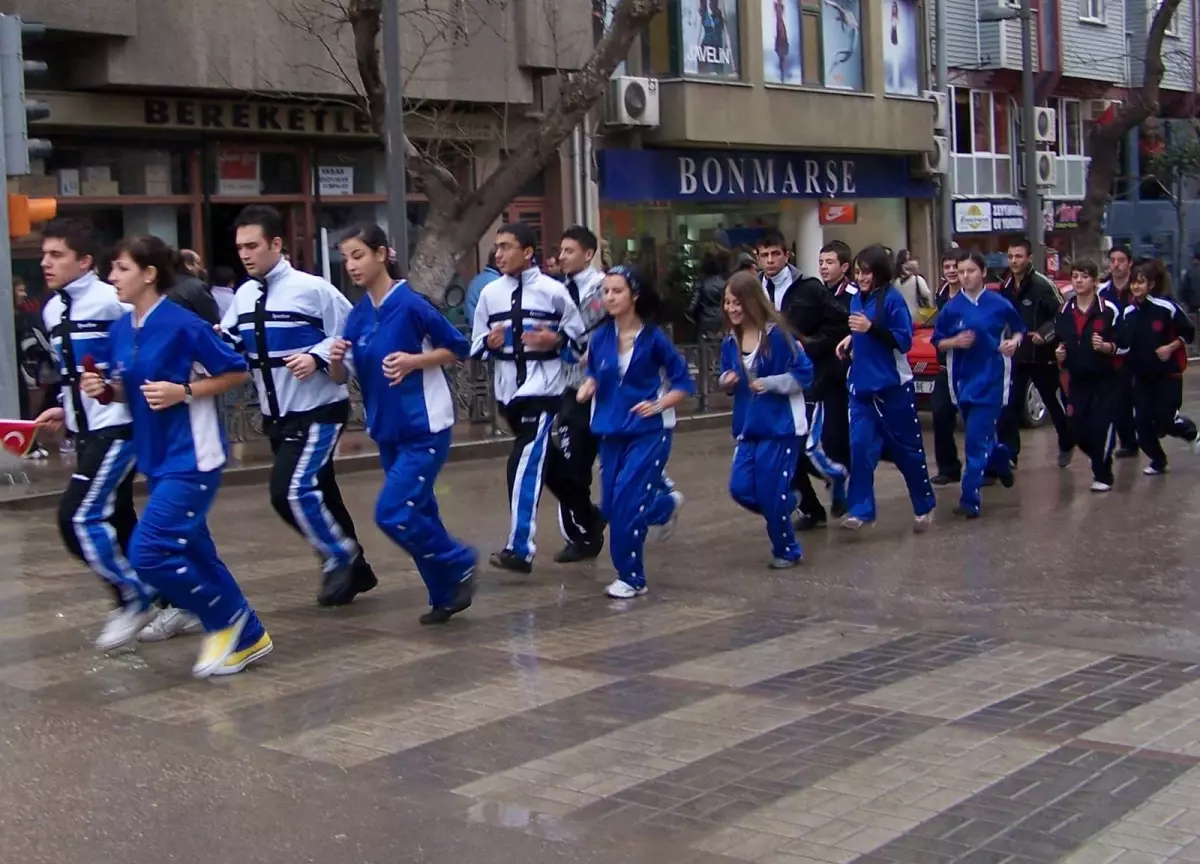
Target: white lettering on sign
687, 175
739, 176
711, 55
710, 175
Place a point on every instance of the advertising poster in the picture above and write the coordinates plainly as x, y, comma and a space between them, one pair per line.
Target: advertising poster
841, 43
708, 32
901, 51
781, 42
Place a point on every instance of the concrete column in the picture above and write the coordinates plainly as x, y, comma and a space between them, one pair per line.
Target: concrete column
161, 221
801, 220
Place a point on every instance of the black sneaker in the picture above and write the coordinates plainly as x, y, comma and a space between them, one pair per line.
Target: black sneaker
337, 589
1127, 453
804, 522
1007, 479
940, 479
506, 559
464, 593
573, 553
364, 576
1065, 457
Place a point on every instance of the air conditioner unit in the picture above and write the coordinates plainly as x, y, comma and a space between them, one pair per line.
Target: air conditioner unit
937, 160
632, 102
1045, 126
1047, 169
941, 117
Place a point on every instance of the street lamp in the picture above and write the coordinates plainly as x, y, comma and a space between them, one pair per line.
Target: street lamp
1007, 11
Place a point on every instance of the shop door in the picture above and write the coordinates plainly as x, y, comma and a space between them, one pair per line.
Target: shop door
224, 236
529, 211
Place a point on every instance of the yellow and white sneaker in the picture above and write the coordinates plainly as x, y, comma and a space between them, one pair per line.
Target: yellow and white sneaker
239, 660
218, 647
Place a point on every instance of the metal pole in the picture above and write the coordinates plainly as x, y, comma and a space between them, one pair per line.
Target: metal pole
396, 185
9, 404
1034, 226
941, 84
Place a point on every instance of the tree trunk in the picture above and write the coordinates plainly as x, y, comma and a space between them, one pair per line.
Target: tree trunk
1105, 140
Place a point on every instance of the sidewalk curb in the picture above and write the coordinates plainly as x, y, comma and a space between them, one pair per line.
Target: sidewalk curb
469, 451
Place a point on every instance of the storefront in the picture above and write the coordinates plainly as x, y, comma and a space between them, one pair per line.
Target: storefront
182, 168
989, 226
665, 209
1062, 222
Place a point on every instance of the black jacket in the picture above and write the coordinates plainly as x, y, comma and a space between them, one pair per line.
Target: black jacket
1149, 325
1038, 301
1083, 361
192, 294
708, 301
820, 323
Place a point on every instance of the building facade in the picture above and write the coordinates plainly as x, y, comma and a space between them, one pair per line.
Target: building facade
168, 116
1087, 53
804, 116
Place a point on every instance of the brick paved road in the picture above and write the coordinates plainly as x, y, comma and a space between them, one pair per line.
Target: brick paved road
1021, 689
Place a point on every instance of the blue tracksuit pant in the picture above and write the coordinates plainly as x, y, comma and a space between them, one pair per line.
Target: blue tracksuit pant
761, 481
982, 450
407, 512
890, 416
635, 495
174, 554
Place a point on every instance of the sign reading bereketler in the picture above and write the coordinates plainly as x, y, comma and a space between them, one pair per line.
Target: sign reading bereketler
700, 175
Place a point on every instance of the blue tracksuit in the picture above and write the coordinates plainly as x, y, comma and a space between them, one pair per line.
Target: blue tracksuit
769, 428
181, 450
980, 379
883, 404
411, 423
633, 449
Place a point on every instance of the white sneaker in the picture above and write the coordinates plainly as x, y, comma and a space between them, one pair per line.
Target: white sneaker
1097, 486
1195, 443
123, 626
168, 624
619, 590
853, 523
662, 533
38, 453
923, 523
1154, 471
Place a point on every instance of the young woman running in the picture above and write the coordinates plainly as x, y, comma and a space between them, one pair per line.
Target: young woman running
883, 405
396, 343
766, 370
633, 413
169, 367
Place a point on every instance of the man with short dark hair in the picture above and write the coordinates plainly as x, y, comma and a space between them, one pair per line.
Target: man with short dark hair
1038, 301
1116, 291
836, 264
285, 321
529, 327
945, 412
95, 514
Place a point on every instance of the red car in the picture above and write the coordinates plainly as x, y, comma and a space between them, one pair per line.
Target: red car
924, 361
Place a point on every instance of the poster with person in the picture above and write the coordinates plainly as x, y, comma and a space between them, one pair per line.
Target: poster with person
901, 51
841, 43
781, 42
708, 31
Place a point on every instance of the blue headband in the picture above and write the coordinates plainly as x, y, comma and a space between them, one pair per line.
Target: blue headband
629, 275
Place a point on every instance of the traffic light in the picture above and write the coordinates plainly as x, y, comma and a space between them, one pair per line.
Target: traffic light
16, 113
24, 212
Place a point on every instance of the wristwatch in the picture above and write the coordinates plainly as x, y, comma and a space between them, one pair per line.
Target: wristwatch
187, 394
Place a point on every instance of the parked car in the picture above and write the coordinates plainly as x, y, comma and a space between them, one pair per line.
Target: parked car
924, 361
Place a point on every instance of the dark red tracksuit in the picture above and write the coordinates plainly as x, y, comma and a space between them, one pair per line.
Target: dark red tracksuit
1157, 384
1090, 380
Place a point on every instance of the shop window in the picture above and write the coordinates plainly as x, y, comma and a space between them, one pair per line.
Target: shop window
81, 170
707, 38
831, 48
901, 47
982, 143
248, 172
350, 172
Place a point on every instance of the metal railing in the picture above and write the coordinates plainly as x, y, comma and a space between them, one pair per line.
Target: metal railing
471, 384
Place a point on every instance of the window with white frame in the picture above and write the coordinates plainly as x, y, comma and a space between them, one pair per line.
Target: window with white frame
982, 143
1072, 149
1091, 10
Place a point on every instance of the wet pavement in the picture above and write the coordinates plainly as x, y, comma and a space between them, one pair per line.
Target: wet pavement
1023, 688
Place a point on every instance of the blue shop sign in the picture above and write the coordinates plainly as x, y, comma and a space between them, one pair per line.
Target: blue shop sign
715, 175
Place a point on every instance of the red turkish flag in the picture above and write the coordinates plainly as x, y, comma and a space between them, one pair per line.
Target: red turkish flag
18, 436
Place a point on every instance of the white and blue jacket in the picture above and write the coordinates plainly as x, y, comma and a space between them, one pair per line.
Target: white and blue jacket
421, 404
785, 370
655, 368
979, 375
878, 359
78, 319
172, 344
289, 312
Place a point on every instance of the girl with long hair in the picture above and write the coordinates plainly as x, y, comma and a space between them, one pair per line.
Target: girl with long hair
1154, 333
883, 400
635, 378
766, 370
169, 367
396, 343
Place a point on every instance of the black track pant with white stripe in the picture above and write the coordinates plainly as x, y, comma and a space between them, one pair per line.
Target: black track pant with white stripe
1093, 404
